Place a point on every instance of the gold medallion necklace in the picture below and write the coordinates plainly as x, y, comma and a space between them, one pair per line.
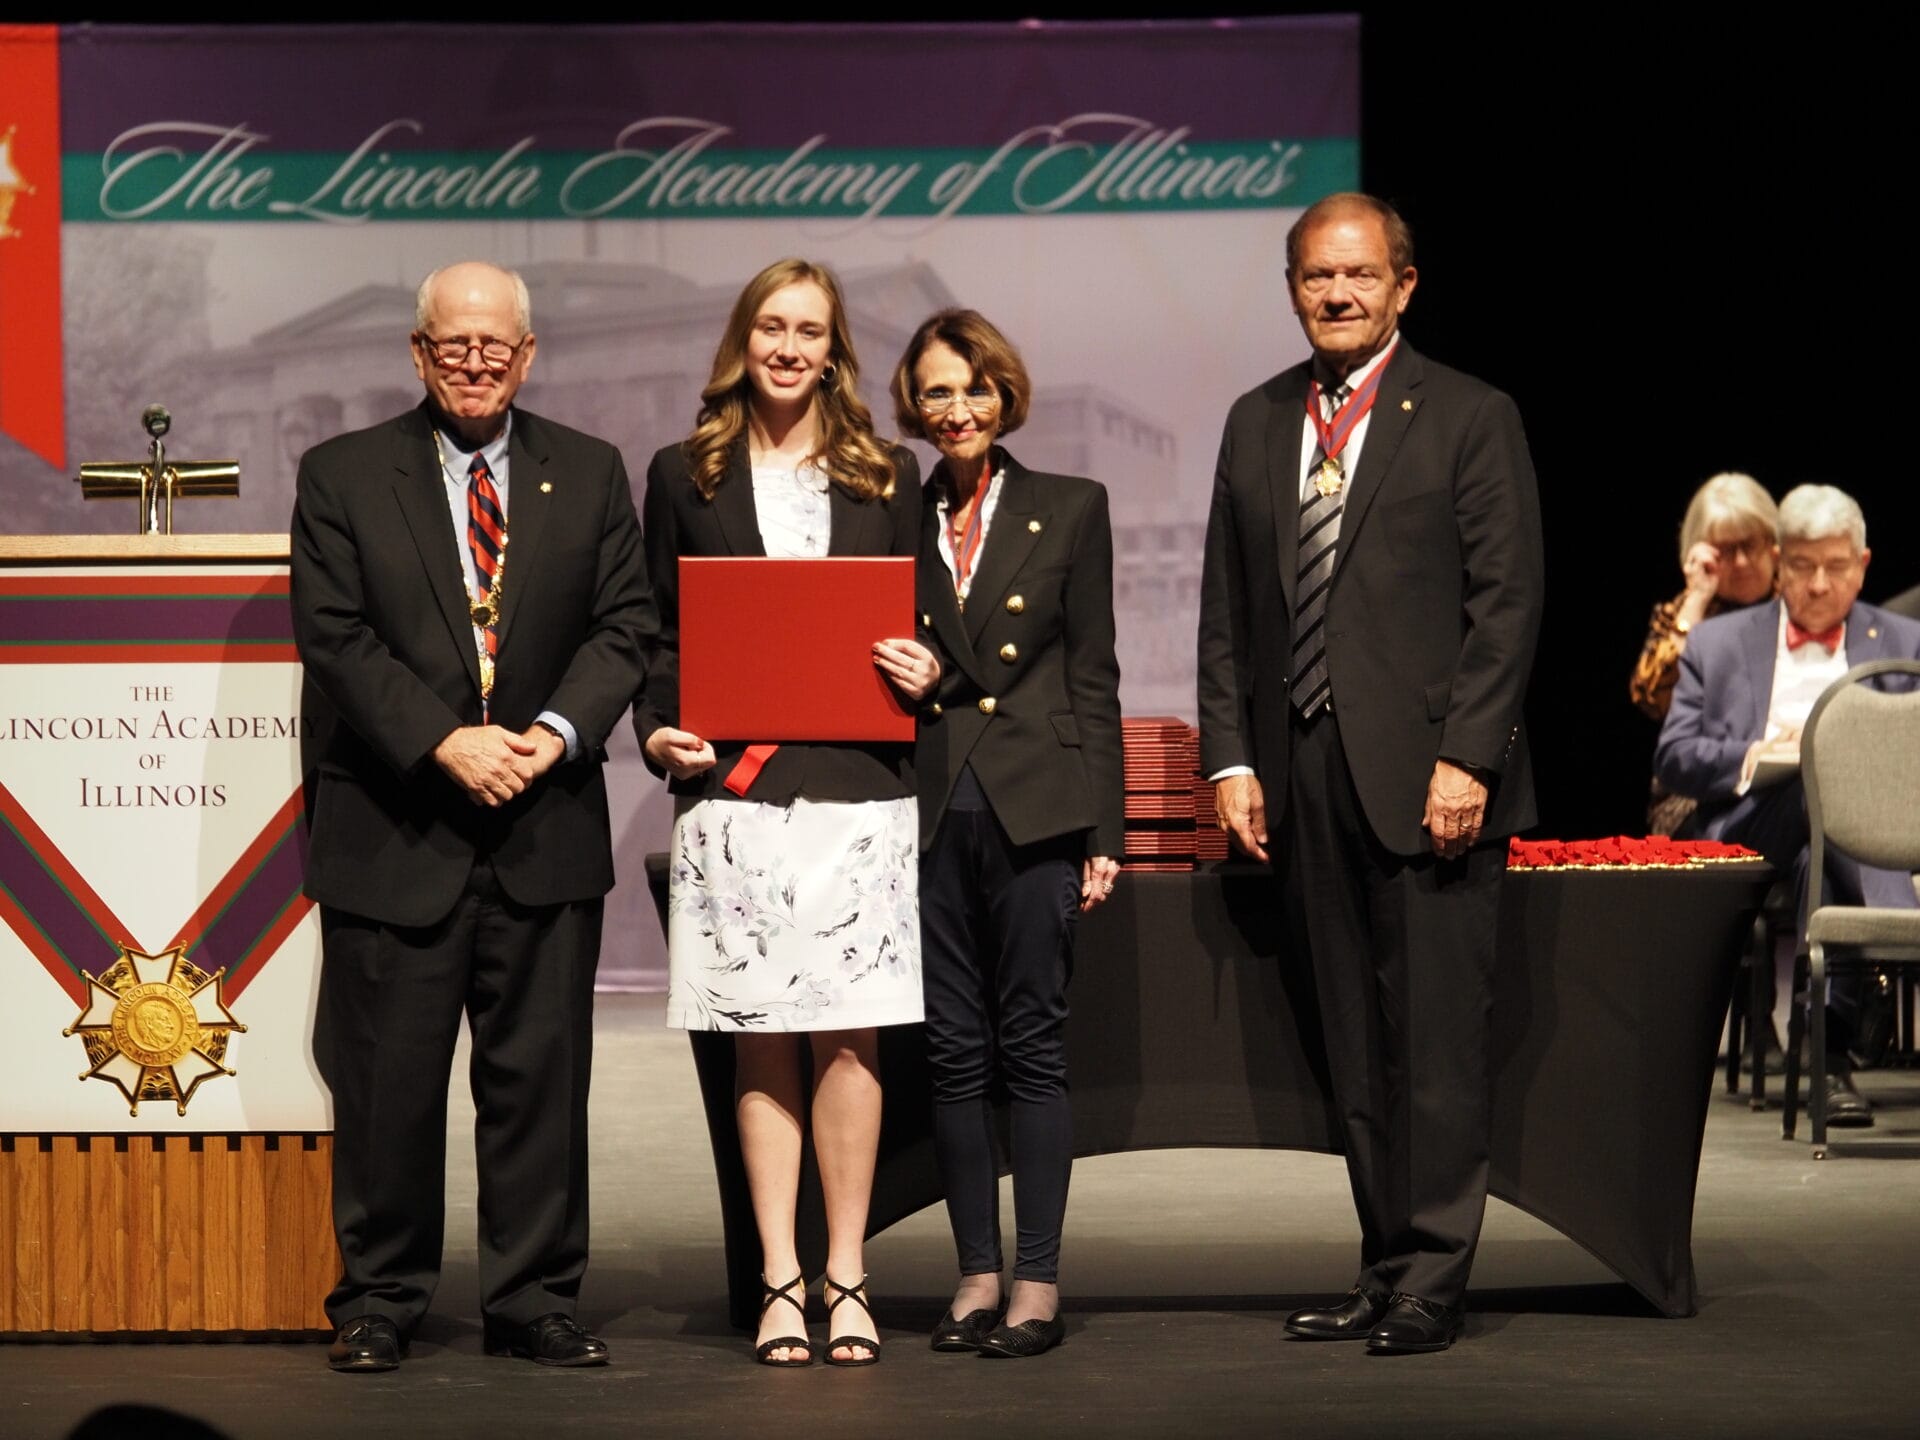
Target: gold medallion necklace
483, 608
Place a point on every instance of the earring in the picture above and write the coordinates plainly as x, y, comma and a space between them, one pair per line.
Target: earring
827, 372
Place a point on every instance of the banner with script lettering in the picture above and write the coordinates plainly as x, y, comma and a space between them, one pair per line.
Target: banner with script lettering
244, 213
154, 942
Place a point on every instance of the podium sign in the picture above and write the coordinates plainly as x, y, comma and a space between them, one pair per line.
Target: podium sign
159, 961
152, 932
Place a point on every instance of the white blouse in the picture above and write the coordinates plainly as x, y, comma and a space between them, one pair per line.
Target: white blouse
796, 518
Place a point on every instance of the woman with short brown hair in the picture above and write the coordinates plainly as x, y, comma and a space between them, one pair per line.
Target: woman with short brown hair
1020, 808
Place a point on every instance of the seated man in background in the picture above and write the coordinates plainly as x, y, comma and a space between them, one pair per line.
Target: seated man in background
1747, 682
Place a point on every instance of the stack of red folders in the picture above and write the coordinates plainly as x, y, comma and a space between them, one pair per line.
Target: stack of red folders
1209, 840
1169, 807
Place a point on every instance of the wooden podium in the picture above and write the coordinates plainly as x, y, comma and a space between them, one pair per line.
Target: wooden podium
178, 1191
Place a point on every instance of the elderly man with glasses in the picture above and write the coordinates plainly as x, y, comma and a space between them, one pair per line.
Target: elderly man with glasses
471, 599
1747, 682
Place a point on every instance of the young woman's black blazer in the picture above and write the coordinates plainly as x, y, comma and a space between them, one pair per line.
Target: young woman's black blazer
679, 522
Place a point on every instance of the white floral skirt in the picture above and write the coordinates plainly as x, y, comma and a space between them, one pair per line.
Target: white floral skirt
804, 916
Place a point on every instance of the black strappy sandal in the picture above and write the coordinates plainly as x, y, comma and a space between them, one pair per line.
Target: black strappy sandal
768, 1295
849, 1342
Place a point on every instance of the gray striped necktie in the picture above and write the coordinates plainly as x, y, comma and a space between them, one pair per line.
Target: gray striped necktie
1319, 532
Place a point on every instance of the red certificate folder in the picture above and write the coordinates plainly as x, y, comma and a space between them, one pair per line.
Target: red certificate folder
774, 650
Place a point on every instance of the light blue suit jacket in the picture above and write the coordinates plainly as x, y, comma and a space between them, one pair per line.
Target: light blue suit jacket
1720, 708
1726, 684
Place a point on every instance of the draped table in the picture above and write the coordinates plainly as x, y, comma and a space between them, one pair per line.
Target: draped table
1192, 1026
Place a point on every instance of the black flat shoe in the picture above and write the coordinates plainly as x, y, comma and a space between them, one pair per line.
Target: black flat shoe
1413, 1326
1029, 1337
764, 1352
1351, 1319
365, 1344
967, 1332
856, 1343
553, 1339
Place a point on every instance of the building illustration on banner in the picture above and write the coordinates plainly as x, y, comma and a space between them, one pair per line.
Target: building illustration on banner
625, 350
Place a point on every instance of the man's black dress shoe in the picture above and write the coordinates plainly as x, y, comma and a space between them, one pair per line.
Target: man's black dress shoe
1029, 1337
1413, 1326
967, 1332
1847, 1108
1351, 1319
551, 1340
366, 1342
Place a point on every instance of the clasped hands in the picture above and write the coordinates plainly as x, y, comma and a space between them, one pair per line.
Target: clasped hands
1455, 812
910, 665
492, 765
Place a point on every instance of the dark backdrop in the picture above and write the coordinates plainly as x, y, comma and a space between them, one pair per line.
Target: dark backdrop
1674, 249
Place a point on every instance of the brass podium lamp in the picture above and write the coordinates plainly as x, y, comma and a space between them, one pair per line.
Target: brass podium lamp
158, 482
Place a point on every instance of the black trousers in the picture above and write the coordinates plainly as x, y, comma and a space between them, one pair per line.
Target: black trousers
996, 951
1402, 952
1773, 820
389, 1013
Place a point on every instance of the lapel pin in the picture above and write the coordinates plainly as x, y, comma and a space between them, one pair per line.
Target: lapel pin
1406, 405
1873, 632
1034, 526
546, 487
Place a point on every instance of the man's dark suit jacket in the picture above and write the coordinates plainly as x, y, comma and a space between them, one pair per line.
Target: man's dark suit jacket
679, 522
380, 617
1048, 755
1725, 690
1435, 606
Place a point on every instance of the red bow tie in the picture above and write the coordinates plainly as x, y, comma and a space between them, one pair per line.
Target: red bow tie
1829, 640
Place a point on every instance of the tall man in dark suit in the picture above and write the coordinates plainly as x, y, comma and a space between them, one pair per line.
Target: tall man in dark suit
1369, 606
1748, 681
470, 595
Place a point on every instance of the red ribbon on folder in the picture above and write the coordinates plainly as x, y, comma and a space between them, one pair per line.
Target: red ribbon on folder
740, 779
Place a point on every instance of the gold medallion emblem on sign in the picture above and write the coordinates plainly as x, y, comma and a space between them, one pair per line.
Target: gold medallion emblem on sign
12, 184
157, 1026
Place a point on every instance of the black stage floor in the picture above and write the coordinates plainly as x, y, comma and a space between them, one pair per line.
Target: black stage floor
1180, 1267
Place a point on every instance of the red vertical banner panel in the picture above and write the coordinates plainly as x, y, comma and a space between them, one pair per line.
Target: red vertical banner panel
32, 401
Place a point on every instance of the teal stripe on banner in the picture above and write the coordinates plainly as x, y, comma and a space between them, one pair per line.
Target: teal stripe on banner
684, 175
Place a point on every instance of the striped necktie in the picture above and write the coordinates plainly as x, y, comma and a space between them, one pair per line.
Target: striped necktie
486, 534
1319, 530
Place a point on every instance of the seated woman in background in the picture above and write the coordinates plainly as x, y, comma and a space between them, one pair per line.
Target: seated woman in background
1727, 556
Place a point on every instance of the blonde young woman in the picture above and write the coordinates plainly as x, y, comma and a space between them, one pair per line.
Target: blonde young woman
793, 912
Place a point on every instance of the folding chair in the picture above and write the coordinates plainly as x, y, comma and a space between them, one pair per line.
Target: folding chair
1860, 766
